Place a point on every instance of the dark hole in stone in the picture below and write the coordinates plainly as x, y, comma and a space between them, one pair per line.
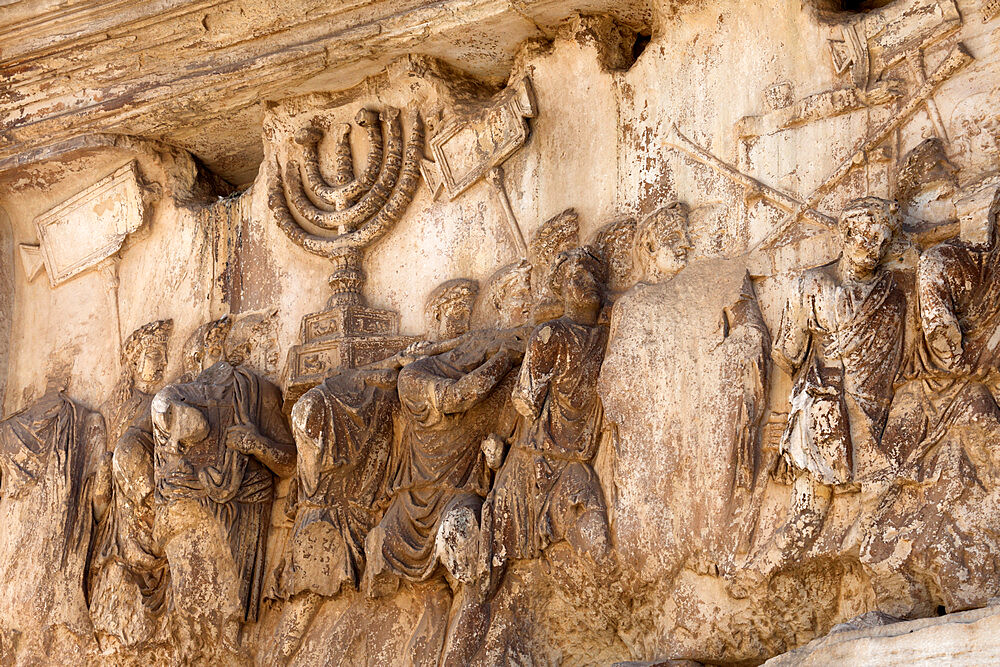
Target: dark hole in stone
862, 5
639, 45
941, 611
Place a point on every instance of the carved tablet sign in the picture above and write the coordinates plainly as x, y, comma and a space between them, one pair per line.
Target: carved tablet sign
90, 226
468, 147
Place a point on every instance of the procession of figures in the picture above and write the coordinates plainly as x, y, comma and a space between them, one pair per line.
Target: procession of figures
515, 428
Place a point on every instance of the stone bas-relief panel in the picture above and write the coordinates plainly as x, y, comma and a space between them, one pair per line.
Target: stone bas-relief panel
686, 351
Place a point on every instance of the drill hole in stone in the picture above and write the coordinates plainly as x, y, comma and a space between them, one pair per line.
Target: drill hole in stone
639, 45
850, 6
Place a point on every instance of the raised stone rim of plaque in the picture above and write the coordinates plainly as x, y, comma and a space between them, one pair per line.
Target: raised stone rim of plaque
124, 185
508, 113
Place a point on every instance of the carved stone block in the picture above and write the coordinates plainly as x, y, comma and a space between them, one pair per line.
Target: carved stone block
91, 225
468, 147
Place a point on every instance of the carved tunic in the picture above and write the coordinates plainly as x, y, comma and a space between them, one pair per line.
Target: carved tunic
341, 486
942, 432
958, 288
440, 458
46, 518
127, 570
547, 479
843, 344
234, 487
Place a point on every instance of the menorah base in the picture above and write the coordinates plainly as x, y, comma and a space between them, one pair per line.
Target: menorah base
341, 337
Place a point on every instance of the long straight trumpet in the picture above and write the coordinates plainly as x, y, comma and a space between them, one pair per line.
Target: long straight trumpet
958, 58
780, 199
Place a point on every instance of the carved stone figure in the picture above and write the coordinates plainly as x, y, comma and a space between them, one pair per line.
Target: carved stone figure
144, 361
506, 300
547, 490
219, 440
613, 243
661, 244
449, 403
926, 183
754, 426
343, 432
47, 523
127, 577
841, 338
558, 233
707, 433
941, 433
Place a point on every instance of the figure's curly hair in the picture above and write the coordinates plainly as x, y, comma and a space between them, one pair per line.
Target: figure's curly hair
888, 208
153, 333
212, 334
451, 291
588, 256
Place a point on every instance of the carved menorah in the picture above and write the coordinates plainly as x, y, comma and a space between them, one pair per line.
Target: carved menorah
339, 219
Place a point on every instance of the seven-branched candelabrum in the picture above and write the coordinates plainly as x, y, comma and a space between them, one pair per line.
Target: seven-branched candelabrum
339, 220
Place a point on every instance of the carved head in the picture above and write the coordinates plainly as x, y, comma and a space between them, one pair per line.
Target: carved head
867, 226
449, 308
206, 346
926, 183
975, 123
977, 214
559, 233
176, 424
510, 294
662, 242
252, 341
614, 242
577, 278
144, 354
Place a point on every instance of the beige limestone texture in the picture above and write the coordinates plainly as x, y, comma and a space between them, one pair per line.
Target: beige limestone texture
965, 638
725, 546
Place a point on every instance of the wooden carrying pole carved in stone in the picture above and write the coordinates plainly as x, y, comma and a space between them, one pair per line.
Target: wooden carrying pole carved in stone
958, 58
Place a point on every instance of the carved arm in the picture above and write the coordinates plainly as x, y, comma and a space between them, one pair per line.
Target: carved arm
102, 486
791, 344
279, 457
475, 386
937, 296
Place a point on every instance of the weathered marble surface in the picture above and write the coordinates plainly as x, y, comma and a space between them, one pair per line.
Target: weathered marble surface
485, 333
965, 638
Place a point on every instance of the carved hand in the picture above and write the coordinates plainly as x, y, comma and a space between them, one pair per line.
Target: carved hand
511, 345
418, 349
492, 447
102, 486
183, 477
242, 438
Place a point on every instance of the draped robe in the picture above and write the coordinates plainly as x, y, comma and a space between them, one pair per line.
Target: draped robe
547, 478
128, 578
46, 520
440, 459
233, 487
341, 487
941, 500
844, 346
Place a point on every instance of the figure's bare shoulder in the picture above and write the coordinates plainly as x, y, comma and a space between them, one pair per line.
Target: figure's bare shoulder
818, 280
547, 332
